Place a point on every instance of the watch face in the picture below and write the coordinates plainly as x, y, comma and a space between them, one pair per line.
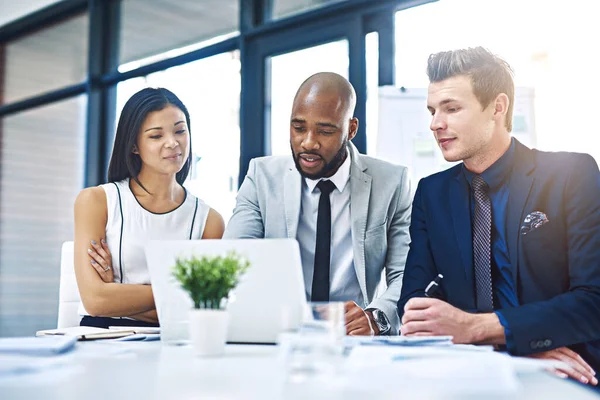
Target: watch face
381, 321
376, 316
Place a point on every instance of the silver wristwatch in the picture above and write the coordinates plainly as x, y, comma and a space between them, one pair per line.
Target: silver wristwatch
383, 324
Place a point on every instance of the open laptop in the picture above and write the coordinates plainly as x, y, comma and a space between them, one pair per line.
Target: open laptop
270, 298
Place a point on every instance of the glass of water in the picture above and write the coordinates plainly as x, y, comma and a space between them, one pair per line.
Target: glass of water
325, 320
174, 324
316, 350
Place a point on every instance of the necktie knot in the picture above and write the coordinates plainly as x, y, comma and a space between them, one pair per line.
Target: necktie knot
479, 185
326, 186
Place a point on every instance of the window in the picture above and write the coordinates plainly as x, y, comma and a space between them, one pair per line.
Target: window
41, 173
372, 57
555, 85
44, 61
288, 71
285, 8
150, 30
213, 100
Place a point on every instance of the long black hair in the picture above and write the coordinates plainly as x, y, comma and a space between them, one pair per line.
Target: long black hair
123, 162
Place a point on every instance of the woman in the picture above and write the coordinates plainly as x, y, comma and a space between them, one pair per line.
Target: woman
144, 200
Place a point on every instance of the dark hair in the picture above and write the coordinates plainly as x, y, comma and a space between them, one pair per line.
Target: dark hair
123, 162
490, 75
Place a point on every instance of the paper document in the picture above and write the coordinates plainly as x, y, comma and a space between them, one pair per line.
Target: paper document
399, 340
428, 372
45, 346
11, 365
136, 329
528, 365
85, 333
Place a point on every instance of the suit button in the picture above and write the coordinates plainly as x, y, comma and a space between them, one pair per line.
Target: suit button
547, 343
540, 344
533, 344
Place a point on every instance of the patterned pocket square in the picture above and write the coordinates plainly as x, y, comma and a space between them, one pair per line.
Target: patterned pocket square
533, 221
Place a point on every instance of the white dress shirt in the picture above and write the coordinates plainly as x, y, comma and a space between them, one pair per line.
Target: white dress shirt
343, 281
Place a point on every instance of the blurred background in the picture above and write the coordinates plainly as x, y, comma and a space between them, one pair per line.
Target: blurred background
67, 68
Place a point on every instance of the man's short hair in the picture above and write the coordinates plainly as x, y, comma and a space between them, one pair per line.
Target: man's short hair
490, 75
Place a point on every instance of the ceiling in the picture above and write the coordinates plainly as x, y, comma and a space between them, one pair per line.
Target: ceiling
11, 10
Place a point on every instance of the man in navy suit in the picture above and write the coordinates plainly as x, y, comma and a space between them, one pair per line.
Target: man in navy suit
515, 232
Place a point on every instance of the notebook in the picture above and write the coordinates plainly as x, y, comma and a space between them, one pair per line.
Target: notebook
142, 330
138, 338
86, 333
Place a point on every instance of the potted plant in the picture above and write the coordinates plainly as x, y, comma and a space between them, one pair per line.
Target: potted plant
209, 281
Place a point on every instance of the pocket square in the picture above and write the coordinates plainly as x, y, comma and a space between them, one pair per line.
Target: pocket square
533, 221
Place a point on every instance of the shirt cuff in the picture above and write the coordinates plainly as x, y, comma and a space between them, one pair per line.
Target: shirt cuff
510, 340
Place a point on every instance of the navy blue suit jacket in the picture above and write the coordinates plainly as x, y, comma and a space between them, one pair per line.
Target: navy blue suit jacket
556, 267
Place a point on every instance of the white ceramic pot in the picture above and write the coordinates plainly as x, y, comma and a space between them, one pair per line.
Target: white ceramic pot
208, 332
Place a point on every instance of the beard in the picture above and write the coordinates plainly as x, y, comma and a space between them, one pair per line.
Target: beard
329, 168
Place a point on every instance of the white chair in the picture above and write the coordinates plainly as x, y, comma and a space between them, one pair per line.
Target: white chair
68, 298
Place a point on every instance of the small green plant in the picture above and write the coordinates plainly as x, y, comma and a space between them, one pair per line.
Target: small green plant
208, 280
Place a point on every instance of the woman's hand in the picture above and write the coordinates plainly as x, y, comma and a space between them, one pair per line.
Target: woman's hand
101, 260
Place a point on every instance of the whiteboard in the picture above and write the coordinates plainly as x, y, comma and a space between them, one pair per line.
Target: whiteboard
404, 136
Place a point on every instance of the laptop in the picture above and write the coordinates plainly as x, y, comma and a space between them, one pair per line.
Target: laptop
269, 300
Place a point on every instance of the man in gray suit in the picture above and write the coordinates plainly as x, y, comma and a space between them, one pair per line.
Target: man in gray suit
350, 213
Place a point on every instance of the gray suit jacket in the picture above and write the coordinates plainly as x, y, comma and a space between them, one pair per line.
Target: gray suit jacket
268, 206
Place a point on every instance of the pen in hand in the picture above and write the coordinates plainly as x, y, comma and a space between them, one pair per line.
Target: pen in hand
433, 286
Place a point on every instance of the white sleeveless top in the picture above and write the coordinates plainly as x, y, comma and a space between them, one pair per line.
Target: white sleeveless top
130, 226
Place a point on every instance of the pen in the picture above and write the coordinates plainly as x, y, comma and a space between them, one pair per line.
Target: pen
433, 286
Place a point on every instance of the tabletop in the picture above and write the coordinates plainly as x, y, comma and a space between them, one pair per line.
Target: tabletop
151, 370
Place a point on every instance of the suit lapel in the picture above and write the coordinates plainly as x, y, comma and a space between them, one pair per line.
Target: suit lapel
460, 203
521, 182
360, 193
292, 197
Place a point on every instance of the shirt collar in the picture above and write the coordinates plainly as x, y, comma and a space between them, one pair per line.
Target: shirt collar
496, 173
339, 179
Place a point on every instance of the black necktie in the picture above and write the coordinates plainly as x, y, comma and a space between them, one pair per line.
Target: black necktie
482, 227
320, 283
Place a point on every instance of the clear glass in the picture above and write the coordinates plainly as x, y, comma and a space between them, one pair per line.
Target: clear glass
174, 322
42, 164
288, 71
315, 352
286, 8
45, 60
174, 313
325, 319
555, 94
151, 30
213, 101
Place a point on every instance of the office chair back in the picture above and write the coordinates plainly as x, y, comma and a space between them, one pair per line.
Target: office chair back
68, 299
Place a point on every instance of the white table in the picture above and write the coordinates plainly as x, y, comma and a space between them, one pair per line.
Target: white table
148, 370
